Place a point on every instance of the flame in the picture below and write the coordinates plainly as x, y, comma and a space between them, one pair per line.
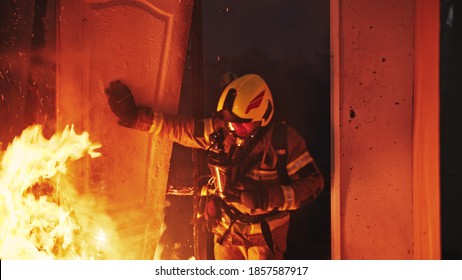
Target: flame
42, 215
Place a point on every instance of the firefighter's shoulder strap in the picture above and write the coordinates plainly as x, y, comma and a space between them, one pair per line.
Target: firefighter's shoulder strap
279, 142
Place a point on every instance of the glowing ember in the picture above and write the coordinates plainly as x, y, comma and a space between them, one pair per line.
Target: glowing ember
42, 216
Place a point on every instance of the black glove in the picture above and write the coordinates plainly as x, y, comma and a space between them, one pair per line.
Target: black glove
253, 194
122, 103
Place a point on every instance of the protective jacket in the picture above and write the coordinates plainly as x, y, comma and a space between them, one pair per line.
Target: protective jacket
306, 182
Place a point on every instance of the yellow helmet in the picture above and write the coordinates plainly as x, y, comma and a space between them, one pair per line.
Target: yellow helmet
246, 99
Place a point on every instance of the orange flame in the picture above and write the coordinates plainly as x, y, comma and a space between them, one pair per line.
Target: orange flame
42, 215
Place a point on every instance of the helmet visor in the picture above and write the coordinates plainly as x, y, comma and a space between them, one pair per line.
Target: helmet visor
243, 129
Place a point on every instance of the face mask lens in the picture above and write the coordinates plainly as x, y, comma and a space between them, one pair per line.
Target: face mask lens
243, 129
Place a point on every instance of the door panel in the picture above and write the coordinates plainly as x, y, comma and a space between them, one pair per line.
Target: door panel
142, 43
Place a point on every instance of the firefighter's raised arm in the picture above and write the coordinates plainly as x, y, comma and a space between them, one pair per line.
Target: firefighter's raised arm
185, 131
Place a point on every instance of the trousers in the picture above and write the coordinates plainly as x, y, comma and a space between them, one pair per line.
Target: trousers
239, 252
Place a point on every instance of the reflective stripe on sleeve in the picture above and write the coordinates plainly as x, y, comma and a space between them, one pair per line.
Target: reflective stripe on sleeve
289, 198
157, 123
292, 168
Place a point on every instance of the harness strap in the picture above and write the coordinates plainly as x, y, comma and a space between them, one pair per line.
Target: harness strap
279, 141
235, 215
267, 235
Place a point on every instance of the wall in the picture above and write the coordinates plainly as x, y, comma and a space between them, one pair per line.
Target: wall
373, 129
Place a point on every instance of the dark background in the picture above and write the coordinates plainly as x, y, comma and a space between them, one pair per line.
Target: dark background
451, 139
287, 43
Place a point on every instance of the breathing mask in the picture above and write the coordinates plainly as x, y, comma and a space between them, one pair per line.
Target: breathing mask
225, 154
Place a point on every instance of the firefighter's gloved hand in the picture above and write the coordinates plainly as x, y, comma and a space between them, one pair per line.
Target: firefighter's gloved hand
122, 103
253, 194
232, 194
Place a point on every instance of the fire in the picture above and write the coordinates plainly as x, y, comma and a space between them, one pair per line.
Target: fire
42, 214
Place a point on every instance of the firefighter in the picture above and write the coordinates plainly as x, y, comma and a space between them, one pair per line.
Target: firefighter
261, 168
